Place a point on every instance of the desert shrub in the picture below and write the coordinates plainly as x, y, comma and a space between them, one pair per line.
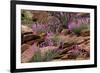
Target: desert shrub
37, 57
59, 22
26, 17
47, 56
78, 22
39, 28
54, 40
77, 30
76, 51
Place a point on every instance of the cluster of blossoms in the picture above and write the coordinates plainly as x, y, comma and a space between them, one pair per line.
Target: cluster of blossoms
38, 28
78, 22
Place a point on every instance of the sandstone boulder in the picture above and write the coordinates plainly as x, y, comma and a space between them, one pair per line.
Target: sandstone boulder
30, 37
25, 29
27, 55
24, 47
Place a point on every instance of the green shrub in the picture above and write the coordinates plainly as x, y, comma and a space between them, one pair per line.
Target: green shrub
37, 57
47, 56
26, 17
77, 30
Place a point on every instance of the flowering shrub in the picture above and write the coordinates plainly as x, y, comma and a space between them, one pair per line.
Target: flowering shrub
77, 30
78, 24
39, 28
54, 40
49, 55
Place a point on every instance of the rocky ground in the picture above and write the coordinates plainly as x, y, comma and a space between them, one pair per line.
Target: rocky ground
74, 47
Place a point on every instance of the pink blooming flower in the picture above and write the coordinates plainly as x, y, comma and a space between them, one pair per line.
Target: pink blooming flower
39, 27
77, 23
71, 25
